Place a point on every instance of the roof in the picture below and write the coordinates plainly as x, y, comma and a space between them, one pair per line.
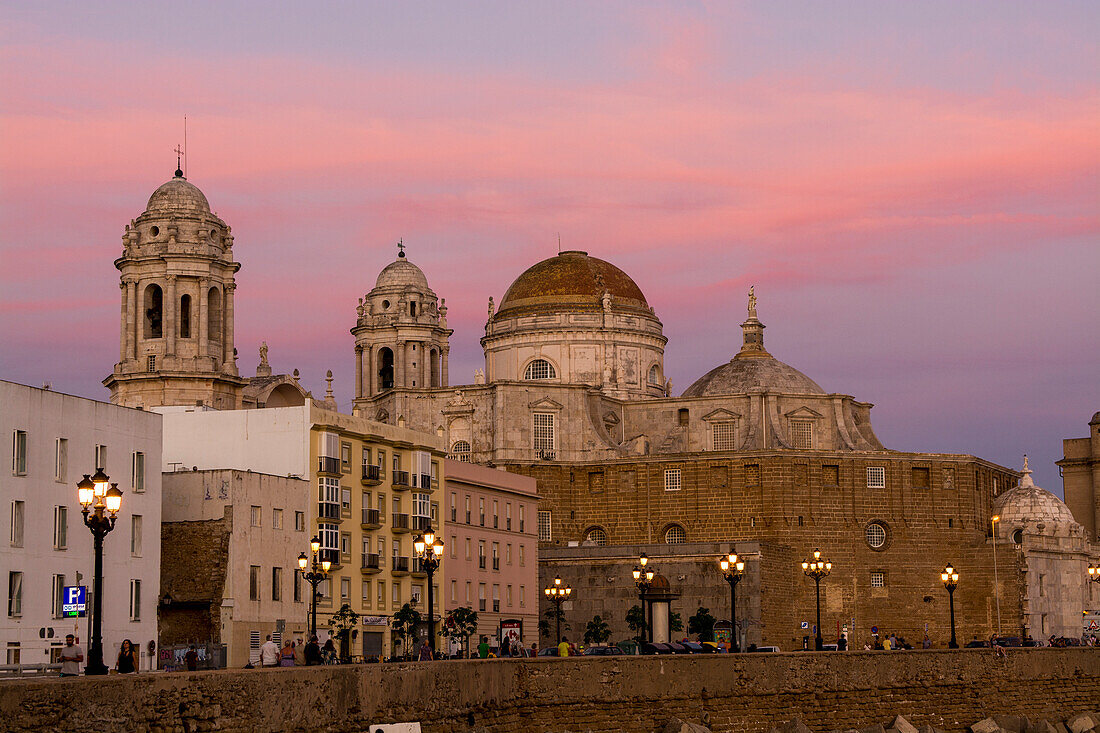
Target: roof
1030, 503
178, 196
400, 273
741, 376
572, 280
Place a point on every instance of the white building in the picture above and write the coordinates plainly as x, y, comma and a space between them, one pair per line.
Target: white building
55, 439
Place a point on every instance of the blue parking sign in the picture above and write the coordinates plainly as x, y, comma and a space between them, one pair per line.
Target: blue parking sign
74, 600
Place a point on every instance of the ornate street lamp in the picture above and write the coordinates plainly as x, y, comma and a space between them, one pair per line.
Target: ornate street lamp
1094, 573
429, 550
100, 506
817, 569
950, 578
733, 569
318, 571
643, 580
557, 595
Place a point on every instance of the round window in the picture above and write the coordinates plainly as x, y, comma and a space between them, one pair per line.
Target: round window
154, 231
385, 304
876, 535
675, 535
1018, 536
597, 536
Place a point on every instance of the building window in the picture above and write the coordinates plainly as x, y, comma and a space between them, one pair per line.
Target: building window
454, 507
1042, 585
57, 593
460, 451
921, 478
151, 363
540, 369
345, 589
101, 457
345, 543
297, 594
185, 316
469, 545
135, 535
256, 516
876, 477
345, 457
300, 521
481, 597
454, 591
254, 582
878, 579
19, 453
276, 518
522, 517
481, 510
381, 594
276, 584
682, 417
496, 514
137, 472
876, 535
543, 432
672, 479
60, 527
522, 555
366, 593
544, 527
723, 435
508, 554
15, 593
454, 547
655, 375
395, 596
60, 459
135, 599
675, 535
522, 596
752, 474
16, 535
597, 536
467, 509
802, 434
1017, 536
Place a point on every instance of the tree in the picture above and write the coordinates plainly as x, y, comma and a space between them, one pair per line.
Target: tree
405, 622
461, 623
675, 622
342, 623
635, 619
597, 631
551, 617
702, 623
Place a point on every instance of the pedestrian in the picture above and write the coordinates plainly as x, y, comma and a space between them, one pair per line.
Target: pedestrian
328, 651
286, 656
534, 649
425, 653
191, 659
842, 642
127, 662
563, 647
483, 648
299, 652
927, 643
312, 652
71, 657
269, 653
888, 643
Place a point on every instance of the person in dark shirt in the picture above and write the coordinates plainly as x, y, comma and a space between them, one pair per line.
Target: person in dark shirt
191, 659
313, 652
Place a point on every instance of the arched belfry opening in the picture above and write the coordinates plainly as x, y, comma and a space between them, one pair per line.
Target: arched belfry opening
385, 368
214, 316
185, 317
154, 312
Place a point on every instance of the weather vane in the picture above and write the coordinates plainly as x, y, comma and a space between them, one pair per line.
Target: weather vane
401, 247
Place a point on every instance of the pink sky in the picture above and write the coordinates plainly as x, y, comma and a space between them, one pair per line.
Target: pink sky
912, 188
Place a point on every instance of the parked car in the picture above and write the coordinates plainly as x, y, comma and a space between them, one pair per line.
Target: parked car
1007, 641
696, 647
656, 649
828, 647
764, 649
601, 651
977, 644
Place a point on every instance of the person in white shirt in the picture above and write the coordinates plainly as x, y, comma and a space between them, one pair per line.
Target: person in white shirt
71, 657
269, 653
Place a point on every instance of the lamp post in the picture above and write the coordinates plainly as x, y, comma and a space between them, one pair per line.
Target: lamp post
950, 578
557, 595
1094, 573
996, 583
318, 571
100, 506
429, 550
817, 569
643, 579
733, 569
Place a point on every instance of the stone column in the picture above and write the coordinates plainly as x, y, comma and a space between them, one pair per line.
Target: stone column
227, 329
131, 318
204, 315
399, 364
169, 319
424, 370
358, 372
443, 380
122, 324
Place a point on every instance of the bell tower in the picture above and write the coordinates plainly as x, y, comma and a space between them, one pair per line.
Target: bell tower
176, 326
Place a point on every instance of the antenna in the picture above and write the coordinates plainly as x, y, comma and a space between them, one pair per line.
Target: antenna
559, 242
185, 141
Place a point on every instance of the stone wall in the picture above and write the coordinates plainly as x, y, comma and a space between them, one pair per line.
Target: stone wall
749, 692
193, 573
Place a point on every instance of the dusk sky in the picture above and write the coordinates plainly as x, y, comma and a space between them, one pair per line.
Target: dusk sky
912, 187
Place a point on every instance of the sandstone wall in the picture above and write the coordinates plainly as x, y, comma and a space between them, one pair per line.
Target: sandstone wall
949, 689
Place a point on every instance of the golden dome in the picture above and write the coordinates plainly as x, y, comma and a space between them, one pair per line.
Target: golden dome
571, 281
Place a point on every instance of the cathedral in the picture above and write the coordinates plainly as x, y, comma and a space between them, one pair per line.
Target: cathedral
753, 457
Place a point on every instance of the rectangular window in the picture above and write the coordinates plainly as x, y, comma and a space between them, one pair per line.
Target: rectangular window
14, 652
921, 478
60, 527
366, 456
481, 554
454, 546
299, 521
496, 514
297, 585
522, 596
329, 445
256, 516
101, 457
19, 452
544, 526
522, 517
254, 583
724, 435
345, 543
381, 594
395, 595
137, 472
454, 590
15, 593
396, 462
467, 548
481, 510
135, 599
467, 509
543, 432
135, 535
496, 598
60, 459
345, 499
752, 474
878, 579
481, 597
522, 555
830, 475
508, 554
151, 363
1042, 585
277, 518
508, 516
802, 434
468, 591
414, 596
454, 507
276, 584
345, 457
345, 589
57, 595
381, 458
366, 593
16, 535
508, 596
876, 477
672, 479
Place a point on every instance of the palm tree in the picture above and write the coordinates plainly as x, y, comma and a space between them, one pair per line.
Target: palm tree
597, 631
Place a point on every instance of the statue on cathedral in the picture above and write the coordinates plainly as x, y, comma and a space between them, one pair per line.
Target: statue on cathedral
668, 388
606, 301
360, 310
263, 354
491, 306
752, 300
479, 376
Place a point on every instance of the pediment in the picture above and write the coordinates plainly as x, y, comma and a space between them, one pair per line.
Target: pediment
721, 414
802, 412
545, 404
610, 418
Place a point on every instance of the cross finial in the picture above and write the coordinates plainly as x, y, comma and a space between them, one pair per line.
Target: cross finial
400, 247
179, 162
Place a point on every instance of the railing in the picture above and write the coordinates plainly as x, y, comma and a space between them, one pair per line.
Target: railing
400, 478
371, 472
370, 562
419, 566
370, 516
496, 563
545, 455
400, 521
29, 670
481, 562
328, 465
325, 510
401, 564
421, 524
496, 606
481, 604
426, 481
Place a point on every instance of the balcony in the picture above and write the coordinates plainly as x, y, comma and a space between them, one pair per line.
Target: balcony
400, 522
400, 480
328, 512
545, 455
330, 466
371, 519
496, 606
401, 566
481, 562
371, 564
330, 554
496, 563
372, 475
421, 524
423, 481
418, 568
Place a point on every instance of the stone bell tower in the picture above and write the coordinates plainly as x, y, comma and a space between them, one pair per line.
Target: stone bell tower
176, 327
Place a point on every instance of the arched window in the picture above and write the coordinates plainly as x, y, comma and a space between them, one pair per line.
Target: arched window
596, 535
433, 368
412, 309
385, 371
675, 535
153, 312
655, 375
460, 451
214, 315
185, 316
540, 369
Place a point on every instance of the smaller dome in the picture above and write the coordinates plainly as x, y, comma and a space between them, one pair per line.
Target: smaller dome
1029, 503
401, 273
178, 196
741, 376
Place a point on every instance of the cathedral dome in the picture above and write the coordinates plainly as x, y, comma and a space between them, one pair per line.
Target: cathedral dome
1029, 503
741, 376
178, 196
401, 273
571, 281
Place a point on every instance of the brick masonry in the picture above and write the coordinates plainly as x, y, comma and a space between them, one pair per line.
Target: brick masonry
749, 692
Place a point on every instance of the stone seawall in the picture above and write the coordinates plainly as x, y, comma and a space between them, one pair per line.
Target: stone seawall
749, 692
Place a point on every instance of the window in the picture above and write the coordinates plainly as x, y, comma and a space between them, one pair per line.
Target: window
508, 516
508, 597
481, 596
416, 592
366, 593
460, 451
544, 526
345, 457
101, 457
297, 585
522, 517
135, 599
16, 536
672, 479
655, 375
422, 506
543, 432
366, 456
276, 584
329, 534
299, 521
1017, 536
481, 510
185, 316
878, 579
60, 459
276, 518
540, 369
454, 508
60, 527
496, 597
922, 478
256, 516
830, 475
19, 453
395, 596
1042, 585
682, 416
876, 535
345, 499
876, 477
381, 464
57, 596
597, 536
468, 546
15, 593
345, 589
496, 514
254, 583
522, 555
723, 435
345, 543
454, 546
137, 472
675, 535
752, 474
151, 363
468, 589
454, 590
467, 509
381, 594
328, 497
522, 596
481, 554
802, 434
13, 652
508, 554
135, 535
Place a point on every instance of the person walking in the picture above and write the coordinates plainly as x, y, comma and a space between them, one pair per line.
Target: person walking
269, 653
71, 657
563, 647
127, 662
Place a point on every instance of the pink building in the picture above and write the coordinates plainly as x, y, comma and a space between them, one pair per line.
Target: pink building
490, 529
